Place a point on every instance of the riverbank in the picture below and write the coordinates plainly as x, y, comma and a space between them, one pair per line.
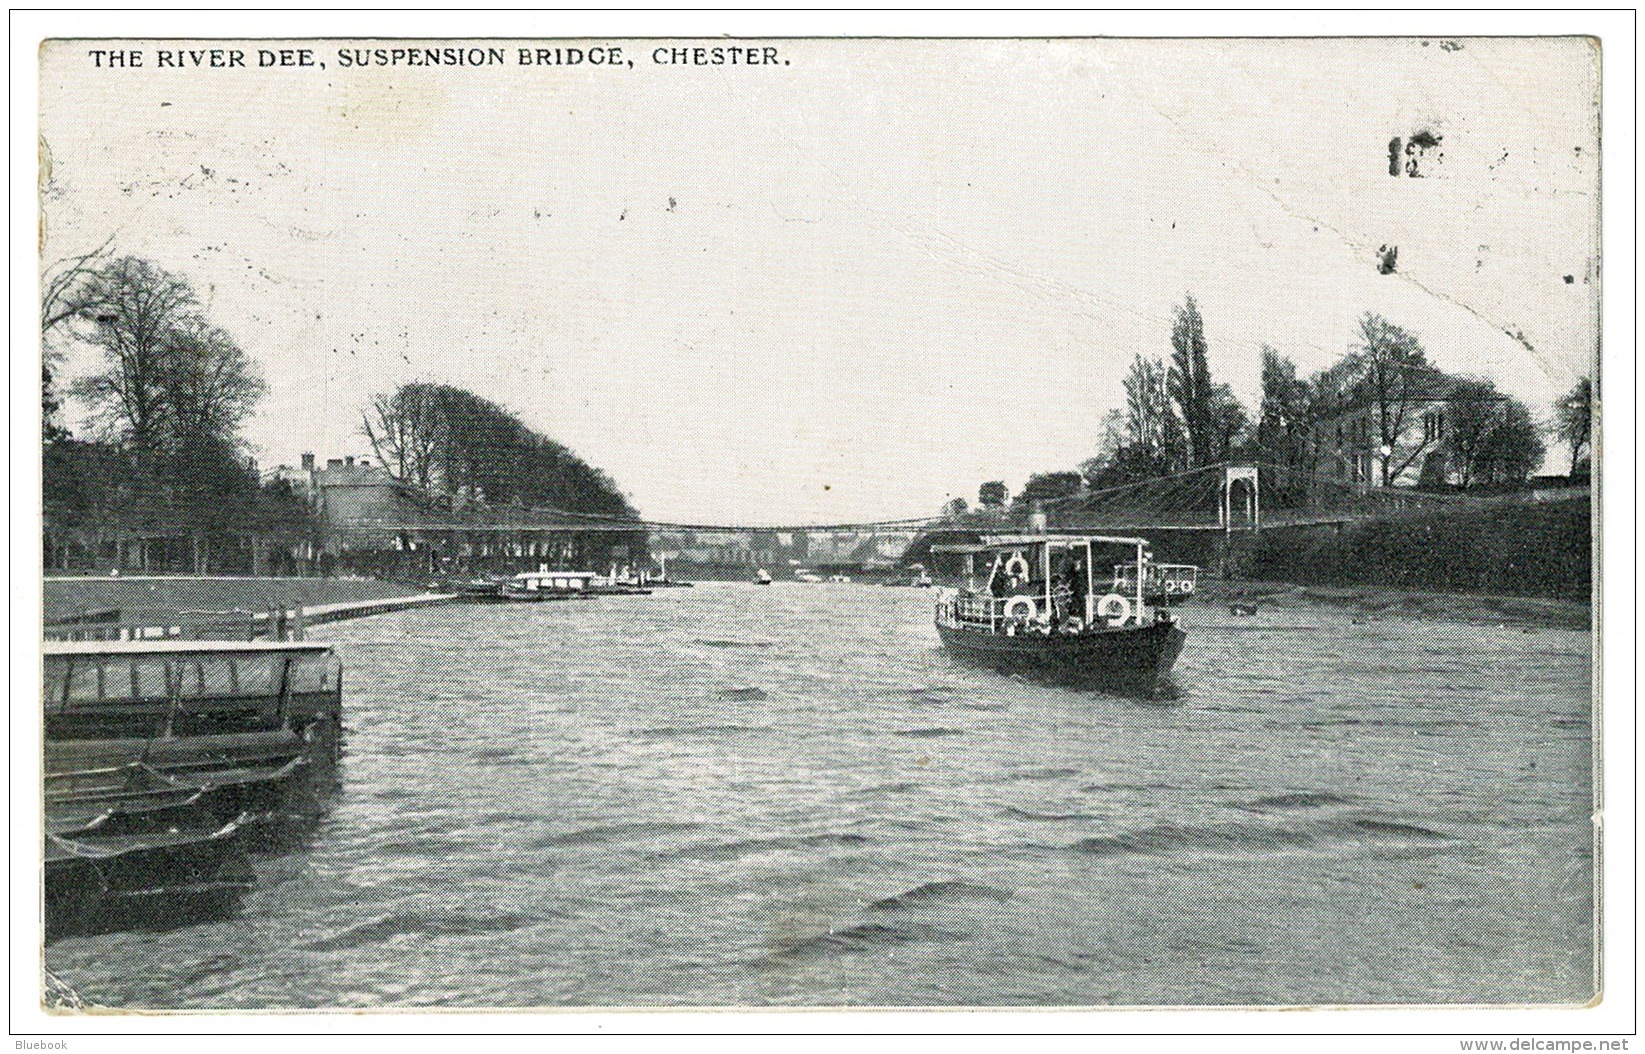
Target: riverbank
139, 597
1377, 603
1531, 550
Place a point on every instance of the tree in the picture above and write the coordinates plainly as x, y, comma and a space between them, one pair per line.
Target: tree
93, 494
209, 384
451, 442
1285, 423
1514, 448
171, 395
64, 285
1049, 486
1152, 427
1190, 383
1574, 419
51, 407
1227, 425
405, 429
1470, 418
135, 309
992, 495
1391, 372
63, 288
954, 508
1489, 437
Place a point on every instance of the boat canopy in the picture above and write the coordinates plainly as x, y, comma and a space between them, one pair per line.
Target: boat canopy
1015, 541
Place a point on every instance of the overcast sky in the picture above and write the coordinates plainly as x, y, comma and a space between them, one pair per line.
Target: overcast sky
855, 283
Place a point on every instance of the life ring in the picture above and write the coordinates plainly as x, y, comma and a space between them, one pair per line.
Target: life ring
1015, 562
1011, 608
1188, 585
1171, 585
1114, 609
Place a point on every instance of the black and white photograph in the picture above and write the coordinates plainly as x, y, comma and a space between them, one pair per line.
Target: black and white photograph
709, 523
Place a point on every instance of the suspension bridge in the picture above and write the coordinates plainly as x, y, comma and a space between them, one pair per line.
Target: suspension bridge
1202, 513
1229, 497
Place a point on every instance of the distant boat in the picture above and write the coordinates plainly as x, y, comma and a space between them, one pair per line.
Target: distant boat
1035, 608
839, 578
917, 578
761, 578
802, 575
531, 586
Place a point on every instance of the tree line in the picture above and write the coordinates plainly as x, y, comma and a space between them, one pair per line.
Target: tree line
1383, 400
159, 476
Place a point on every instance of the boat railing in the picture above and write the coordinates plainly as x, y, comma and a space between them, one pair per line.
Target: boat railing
280, 624
978, 610
1157, 578
147, 695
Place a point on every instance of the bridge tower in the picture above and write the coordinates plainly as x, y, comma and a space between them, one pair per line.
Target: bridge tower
1243, 478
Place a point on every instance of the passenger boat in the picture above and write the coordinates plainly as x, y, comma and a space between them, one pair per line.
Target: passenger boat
565, 585
1169, 584
549, 585
189, 706
159, 753
1031, 604
761, 578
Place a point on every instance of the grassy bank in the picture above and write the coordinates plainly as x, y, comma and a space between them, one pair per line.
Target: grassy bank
1512, 550
135, 597
1375, 604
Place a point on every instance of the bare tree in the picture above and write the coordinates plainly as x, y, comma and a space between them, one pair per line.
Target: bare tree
135, 308
64, 285
1392, 371
406, 431
1574, 419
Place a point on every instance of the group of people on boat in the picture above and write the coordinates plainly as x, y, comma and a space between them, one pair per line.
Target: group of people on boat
1012, 575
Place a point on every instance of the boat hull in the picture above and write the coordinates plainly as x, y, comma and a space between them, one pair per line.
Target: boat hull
161, 868
1131, 656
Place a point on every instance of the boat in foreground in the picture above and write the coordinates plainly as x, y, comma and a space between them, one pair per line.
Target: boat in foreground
1031, 605
165, 759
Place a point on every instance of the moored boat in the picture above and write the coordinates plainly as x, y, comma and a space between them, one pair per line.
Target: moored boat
566, 585
1031, 604
761, 578
149, 867
196, 706
161, 754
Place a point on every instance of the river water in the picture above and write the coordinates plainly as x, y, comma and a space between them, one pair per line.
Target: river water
731, 795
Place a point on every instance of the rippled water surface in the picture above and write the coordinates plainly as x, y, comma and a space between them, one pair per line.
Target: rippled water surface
792, 795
